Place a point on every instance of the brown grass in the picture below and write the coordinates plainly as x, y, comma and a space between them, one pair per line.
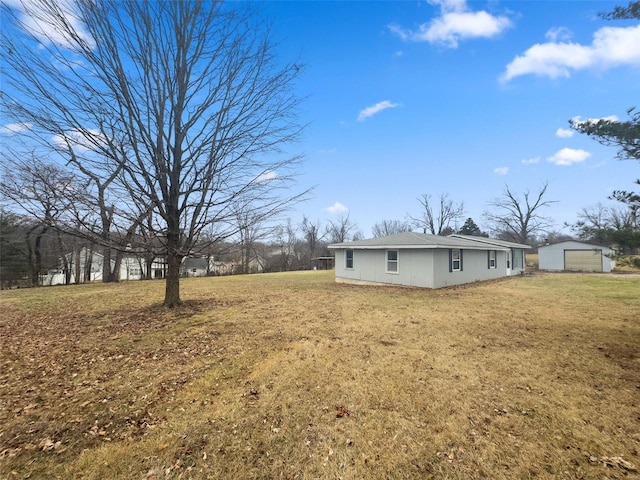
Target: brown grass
294, 376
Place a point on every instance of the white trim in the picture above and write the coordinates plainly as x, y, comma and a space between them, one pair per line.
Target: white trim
346, 259
493, 260
397, 261
459, 260
417, 247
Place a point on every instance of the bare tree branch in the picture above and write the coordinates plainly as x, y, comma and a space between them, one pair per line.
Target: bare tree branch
436, 220
518, 218
390, 227
179, 108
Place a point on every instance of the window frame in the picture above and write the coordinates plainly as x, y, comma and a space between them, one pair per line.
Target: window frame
396, 262
492, 259
453, 260
346, 259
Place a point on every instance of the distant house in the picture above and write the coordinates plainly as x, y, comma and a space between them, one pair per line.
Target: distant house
195, 267
576, 256
86, 265
428, 261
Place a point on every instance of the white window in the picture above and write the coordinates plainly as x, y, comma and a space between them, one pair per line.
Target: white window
456, 260
348, 259
392, 261
492, 259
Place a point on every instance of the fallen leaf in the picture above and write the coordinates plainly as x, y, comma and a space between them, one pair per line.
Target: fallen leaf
619, 462
342, 411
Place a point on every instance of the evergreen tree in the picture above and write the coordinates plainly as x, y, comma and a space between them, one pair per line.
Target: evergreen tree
470, 228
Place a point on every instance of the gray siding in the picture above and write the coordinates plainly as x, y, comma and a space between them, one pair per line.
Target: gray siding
474, 268
518, 264
415, 267
427, 268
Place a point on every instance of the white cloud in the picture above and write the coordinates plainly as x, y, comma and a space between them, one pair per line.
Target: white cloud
611, 47
501, 170
336, 208
377, 108
564, 133
569, 156
559, 33
79, 140
42, 24
17, 127
455, 23
267, 176
530, 161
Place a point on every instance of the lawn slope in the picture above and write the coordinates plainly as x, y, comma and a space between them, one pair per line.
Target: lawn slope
293, 376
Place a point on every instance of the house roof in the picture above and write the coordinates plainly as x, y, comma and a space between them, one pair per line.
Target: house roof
590, 245
419, 240
195, 262
492, 241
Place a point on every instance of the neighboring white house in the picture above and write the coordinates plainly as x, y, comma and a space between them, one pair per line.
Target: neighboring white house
576, 257
428, 261
195, 267
88, 263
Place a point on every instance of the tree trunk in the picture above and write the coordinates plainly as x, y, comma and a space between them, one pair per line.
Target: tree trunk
35, 255
149, 267
115, 274
174, 261
106, 265
172, 290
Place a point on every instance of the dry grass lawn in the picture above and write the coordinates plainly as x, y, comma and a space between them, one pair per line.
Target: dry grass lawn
291, 376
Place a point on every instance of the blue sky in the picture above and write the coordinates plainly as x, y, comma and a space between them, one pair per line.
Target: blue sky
407, 98
415, 97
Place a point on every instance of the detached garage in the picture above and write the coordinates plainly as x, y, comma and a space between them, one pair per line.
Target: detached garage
575, 256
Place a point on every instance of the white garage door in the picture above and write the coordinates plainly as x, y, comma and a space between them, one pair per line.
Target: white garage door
583, 260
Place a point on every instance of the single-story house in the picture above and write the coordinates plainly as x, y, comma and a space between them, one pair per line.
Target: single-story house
576, 256
428, 261
195, 267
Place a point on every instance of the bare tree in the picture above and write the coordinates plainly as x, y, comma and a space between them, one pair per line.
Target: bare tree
340, 229
285, 238
438, 219
619, 225
312, 234
183, 106
13, 257
251, 229
42, 192
518, 218
390, 227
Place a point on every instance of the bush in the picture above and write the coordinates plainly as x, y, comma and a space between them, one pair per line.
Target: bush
628, 263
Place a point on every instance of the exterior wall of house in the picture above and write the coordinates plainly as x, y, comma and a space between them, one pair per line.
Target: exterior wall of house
84, 258
475, 267
552, 257
518, 264
415, 267
194, 272
427, 268
132, 268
